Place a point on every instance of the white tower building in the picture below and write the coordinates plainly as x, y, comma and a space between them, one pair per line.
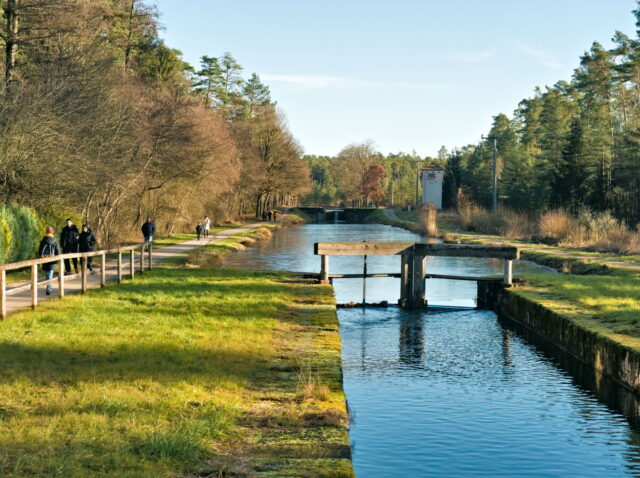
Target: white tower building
432, 177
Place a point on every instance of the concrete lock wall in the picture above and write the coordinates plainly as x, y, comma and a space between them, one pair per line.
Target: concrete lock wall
606, 356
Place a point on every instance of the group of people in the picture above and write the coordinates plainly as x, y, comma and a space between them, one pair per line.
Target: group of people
270, 215
203, 227
71, 240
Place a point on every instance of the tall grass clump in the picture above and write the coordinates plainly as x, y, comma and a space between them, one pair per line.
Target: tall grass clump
427, 217
594, 231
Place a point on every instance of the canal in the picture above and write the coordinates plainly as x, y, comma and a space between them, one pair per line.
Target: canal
457, 392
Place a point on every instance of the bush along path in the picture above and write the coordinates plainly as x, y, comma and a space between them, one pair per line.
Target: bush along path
189, 370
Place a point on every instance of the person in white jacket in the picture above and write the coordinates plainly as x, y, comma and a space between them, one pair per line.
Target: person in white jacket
206, 224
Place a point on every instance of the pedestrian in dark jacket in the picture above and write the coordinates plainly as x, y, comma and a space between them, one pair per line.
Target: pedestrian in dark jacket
199, 230
69, 242
269, 214
49, 247
148, 230
87, 243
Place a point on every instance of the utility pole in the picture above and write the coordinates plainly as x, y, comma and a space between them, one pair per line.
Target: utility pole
494, 203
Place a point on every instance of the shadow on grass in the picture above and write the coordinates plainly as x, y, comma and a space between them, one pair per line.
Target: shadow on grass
164, 363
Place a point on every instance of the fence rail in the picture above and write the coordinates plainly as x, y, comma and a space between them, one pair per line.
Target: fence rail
59, 259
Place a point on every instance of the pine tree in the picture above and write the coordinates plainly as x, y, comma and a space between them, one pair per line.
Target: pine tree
569, 184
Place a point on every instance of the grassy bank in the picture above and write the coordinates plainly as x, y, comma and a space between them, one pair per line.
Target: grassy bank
606, 304
378, 217
187, 371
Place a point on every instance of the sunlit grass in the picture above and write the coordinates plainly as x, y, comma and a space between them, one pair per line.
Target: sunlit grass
181, 371
609, 304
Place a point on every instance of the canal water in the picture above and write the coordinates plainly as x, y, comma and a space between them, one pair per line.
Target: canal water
457, 392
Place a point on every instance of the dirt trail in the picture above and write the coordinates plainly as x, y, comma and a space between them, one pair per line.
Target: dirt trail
73, 285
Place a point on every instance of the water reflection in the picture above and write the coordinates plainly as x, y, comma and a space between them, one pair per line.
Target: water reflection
459, 393
412, 339
608, 391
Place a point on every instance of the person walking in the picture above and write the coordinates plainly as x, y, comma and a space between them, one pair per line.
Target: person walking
148, 230
69, 242
87, 243
269, 214
275, 216
207, 225
49, 247
199, 229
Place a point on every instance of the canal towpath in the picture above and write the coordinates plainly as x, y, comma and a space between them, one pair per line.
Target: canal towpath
73, 283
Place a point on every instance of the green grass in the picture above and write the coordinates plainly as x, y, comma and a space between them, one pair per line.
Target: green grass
183, 237
607, 304
185, 371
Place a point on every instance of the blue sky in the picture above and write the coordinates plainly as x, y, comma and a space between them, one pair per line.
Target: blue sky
406, 74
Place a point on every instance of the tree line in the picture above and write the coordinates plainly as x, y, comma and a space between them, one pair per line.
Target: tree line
361, 176
574, 145
98, 116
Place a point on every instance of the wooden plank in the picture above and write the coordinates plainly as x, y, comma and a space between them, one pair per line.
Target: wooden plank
362, 248
417, 298
132, 263
404, 280
142, 259
360, 276
467, 278
508, 272
150, 254
3, 294
408, 248
466, 250
324, 269
60, 278
83, 274
77, 255
103, 270
34, 286
119, 266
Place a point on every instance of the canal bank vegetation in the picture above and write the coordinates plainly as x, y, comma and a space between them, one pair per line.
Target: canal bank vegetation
608, 304
186, 371
90, 90
587, 230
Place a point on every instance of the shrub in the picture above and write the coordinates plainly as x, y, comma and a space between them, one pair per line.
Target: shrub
427, 217
21, 229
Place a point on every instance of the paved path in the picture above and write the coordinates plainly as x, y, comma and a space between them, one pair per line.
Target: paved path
72, 284
391, 214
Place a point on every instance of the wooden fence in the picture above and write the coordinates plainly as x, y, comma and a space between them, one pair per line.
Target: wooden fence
59, 259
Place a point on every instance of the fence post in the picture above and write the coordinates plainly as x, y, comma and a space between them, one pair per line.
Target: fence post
142, 259
324, 269
132, 264
103, 270
119, 273
34, 286
508, 272
404, 279
150, 254
417, 287
3, 293
61, 278
83, 273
